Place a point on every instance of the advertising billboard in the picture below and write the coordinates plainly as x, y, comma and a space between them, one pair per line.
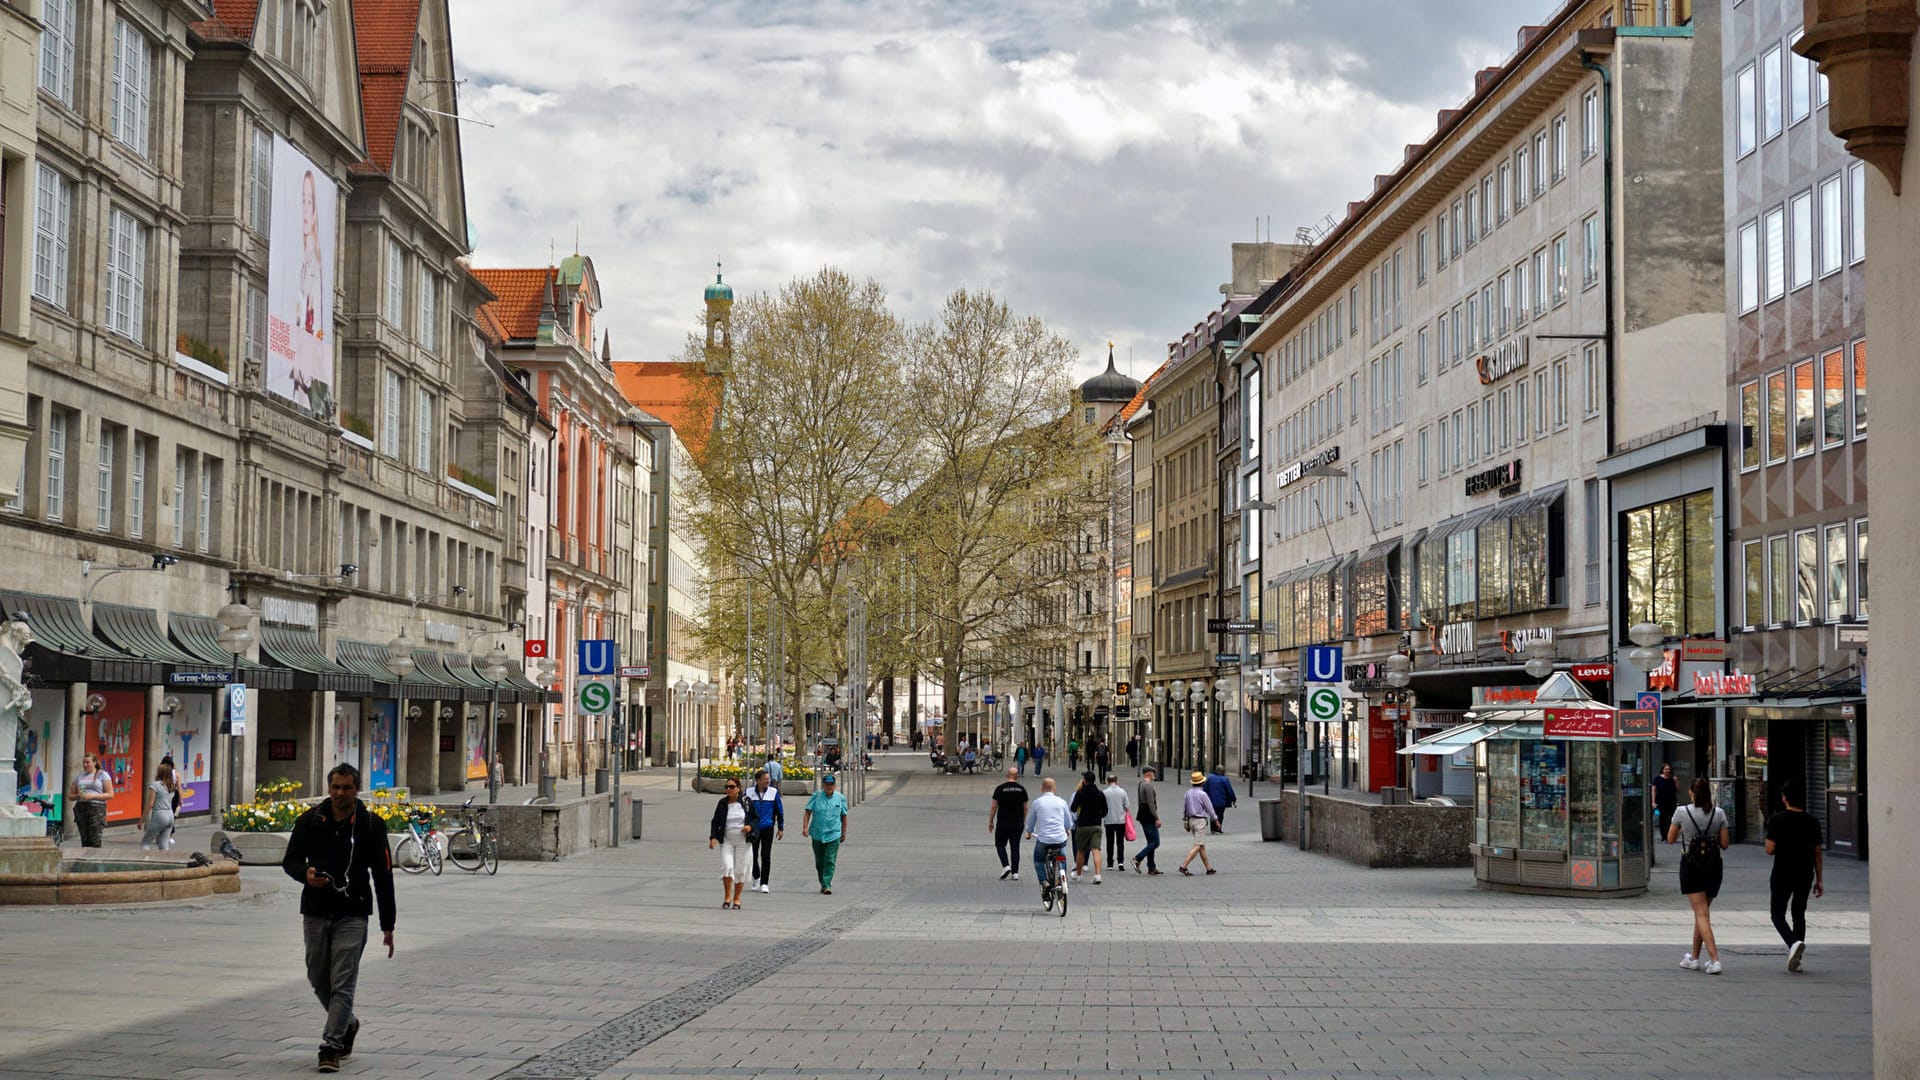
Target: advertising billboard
40, 757
381, 724
346, 734
117, 734
300, 268
187, 735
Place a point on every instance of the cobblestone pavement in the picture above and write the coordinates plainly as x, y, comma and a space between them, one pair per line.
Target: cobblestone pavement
620, 963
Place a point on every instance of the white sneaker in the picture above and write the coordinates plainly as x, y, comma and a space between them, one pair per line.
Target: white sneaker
1076, 876
1006, 872
1096, 879
1794, 954
763, 887
1015, 877
1687, 961
1713, 967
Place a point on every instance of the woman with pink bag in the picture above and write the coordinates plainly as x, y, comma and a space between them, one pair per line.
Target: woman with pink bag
1118, 822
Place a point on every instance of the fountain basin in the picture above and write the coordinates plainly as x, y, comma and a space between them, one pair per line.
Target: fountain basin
94, 879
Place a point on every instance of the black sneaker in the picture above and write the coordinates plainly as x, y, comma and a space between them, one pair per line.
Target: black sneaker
329, 1059
346, 1041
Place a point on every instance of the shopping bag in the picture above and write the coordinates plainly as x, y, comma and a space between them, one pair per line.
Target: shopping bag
1131, 835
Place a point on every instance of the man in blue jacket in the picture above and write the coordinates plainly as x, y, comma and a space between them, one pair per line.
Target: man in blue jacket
1220, 793
770, 823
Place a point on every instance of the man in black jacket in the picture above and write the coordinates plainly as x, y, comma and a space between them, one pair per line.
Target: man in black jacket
339, 852
1089, 808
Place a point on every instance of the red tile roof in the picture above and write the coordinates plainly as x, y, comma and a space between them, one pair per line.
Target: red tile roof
383, 35
1140, 398
232, 21
516, 314
673, 392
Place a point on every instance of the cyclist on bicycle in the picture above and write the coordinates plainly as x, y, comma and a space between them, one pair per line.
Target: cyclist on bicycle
1050, 827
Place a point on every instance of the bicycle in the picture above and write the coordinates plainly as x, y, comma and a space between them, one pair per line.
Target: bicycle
474, 842
421, 850
1053, 884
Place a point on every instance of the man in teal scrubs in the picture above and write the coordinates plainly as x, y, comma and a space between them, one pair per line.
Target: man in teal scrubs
825, 823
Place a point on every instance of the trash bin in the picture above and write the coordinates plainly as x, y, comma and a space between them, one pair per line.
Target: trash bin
602, 781
1270, 819
635, 812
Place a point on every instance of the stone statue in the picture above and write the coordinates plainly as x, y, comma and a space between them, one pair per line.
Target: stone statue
15, 700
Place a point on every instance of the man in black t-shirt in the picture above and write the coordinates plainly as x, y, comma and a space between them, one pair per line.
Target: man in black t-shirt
1006, 816
1799, 865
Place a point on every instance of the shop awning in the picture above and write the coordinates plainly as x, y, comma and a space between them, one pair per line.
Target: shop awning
136, 630
527, 690
1455, 739
1379, 550
199, 636
366, 658
461, 668
299, 650
430, 668
64, 650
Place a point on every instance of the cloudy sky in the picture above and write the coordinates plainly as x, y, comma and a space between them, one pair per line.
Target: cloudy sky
1088, 160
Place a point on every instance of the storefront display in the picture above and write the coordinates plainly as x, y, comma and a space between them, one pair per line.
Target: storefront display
381, 726
40, 757
187, 735
117, 733
346, 734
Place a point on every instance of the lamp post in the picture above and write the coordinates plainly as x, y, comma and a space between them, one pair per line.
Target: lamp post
546, 671
1159, 711
399, 664
236, 635
1399, 673
1196, 722
1176, 701
677, 709
494, 667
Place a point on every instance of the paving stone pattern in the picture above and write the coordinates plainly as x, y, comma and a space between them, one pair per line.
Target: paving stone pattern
621, 963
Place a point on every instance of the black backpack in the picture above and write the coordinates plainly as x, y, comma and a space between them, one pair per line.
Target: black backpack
1703, 851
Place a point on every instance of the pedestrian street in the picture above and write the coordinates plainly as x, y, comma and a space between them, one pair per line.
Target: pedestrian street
622, 963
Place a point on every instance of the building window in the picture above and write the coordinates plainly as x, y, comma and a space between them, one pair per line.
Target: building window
1770, 106
422, 429
1441, 447
126, 274
1776, 418
1860, 389
1560, 148
103, 480
1754, 582
137, 489
429, 328
1749, 266
1423, 457
1746, 107
1833, 398
1504, 190
53, 224
1806, 578
1595, 374
129, 112
1473, 320
1589, 124
1471, 228
1506, 304
56, 500
1520, 303
1540, 403
396, 284
1560, 269
1857, 207
1440, 233
1540, 162
1779, 581
1473, 435
390, 417
179, 498
1750, 426
1488, 217
1670, 565
1775, 237
203, 529
260, 183
1506, 417
1839, 575
1590, 509
254, 341
1831, 236
1420, 356
1803, 409
1522, 166
1420, 258
1860, 567
1799, 84
1453, 227
1800, 248
1560, 393
1590, 256
59, 29
1521, 414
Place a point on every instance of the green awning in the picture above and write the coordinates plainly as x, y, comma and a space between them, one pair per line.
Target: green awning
64, 650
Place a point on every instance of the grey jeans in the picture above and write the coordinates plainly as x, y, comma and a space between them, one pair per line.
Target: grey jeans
333, 969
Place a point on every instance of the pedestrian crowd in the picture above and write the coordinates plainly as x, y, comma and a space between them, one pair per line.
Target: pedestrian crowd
1098, 822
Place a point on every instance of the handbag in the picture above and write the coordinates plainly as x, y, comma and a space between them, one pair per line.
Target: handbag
1131, 835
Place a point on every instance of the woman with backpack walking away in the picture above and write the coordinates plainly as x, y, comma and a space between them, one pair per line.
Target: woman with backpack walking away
1703, 829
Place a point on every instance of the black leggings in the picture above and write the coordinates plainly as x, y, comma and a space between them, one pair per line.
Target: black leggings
1791, 891
1116, 845
762, 844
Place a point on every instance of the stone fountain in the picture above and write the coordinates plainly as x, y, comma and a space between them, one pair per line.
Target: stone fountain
24, 845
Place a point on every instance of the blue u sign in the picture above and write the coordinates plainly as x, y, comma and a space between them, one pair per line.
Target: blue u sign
596, 656
1323, 664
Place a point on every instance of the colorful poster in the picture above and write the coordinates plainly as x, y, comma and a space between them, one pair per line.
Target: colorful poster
346, 735
188, 736
300, 269
381, 746
41, 756
117, 734
476, 747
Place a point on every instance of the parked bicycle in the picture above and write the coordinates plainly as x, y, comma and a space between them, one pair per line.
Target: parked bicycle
473, 842
1053, 886
422, 849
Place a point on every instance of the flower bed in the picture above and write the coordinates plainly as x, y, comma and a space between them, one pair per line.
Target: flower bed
789, 769
276, 806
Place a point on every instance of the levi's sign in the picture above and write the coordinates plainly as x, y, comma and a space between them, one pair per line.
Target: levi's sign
1579, 724
1300, 468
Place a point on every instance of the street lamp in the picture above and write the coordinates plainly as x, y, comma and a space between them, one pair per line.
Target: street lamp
1647, 636
494, 666
678, 710
1221, 695
1196, 719
236, 636
1160, 711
